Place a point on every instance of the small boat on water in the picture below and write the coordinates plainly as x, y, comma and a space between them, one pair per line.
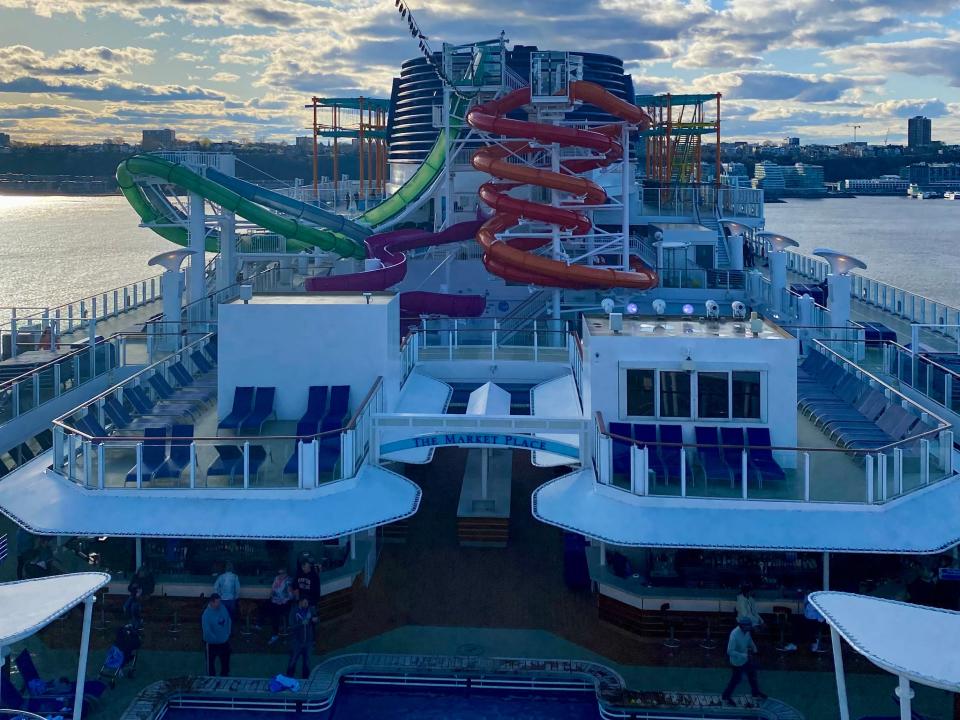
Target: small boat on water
952, 195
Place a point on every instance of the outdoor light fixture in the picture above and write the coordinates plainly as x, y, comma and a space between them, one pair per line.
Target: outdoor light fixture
632, 308
246, 293
840, 263
778, 242
688, 309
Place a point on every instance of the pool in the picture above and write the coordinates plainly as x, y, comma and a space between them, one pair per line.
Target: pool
367, 702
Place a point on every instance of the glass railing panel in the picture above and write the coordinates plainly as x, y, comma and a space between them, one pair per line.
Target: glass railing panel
835, 476
47, 384
6, 404
120, 462
24, 391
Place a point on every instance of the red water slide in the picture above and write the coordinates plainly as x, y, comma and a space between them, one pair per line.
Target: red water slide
510, 260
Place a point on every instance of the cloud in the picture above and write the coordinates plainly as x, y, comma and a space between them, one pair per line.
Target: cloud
778, 85
224, 77
906, 108
23, 60
107, 90
920, 57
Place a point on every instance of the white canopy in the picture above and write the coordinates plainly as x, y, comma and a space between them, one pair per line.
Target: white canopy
28, 606
913, 641
925, 521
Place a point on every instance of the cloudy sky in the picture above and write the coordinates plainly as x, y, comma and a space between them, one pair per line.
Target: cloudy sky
84, 70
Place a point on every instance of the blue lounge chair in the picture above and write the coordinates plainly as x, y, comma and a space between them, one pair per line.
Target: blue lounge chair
316, 404
211, 350
45, 705
153, 456
117, 414
91, 424
144, 405
30, 675
203, 365
620, 448
732, 440
711, 461
339, 405
760, 456
229, 460
305, 429
646, 436
671, 447
242, 407
262, 410
329, 453
179, 458
164, 390
186, 379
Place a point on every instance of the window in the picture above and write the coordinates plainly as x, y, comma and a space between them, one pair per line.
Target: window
640, 393
746, 395
713, 395
674, 394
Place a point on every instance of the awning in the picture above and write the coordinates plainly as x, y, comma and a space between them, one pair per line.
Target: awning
913, 641
27, 606
45, 503
925, 521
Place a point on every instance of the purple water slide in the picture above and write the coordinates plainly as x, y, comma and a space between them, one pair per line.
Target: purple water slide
430, 303
388, 248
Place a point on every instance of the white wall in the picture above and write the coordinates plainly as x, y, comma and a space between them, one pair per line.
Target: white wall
294, 345
776, 359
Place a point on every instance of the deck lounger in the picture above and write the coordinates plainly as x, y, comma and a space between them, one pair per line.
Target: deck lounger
181, 436
211, 350
329, 453
863, 426
711, 461
28, 671
316, 405
732, 440
229, 461
671, 439
866, 411
185, 379
153, 456
164, 390
262, 410
305, 429
646, 436
116, 412
44, 705
760, 456
620, 449
144, 405
92, 423
203, 365
242, 407
339, 405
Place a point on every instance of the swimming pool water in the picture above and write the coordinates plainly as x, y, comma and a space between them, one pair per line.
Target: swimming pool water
364, 702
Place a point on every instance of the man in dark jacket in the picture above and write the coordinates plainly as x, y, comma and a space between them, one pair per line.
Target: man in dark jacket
306, 584
300, 623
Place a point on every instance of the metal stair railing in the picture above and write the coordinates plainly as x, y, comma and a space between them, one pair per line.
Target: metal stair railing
523, 316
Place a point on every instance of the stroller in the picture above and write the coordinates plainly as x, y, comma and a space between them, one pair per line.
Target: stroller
121, 660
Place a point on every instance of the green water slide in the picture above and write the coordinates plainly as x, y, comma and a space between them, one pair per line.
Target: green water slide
299, 236
422, 180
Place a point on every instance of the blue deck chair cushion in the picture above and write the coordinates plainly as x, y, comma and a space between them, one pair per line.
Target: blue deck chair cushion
179, 458
262, 409
154, 454
242, 407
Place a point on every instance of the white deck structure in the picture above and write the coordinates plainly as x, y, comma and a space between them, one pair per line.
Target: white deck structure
915, 643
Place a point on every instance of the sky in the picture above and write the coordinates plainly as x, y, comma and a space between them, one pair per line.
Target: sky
86, 70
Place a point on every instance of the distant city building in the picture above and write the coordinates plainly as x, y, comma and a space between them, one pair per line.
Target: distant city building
931, 174
735, 174
883, 185
792, 141
165, 139
919, 131
305, 144
4, 140
800, 178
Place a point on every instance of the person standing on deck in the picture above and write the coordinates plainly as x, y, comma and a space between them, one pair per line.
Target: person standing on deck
227, 586
739, 647
747, 606
216, 625
307, 583
301, 622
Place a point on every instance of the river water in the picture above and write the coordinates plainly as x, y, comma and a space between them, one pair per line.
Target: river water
57, 249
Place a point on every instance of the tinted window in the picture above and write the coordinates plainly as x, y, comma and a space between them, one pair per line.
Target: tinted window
674, 394
712, 395
746, 395
640, 392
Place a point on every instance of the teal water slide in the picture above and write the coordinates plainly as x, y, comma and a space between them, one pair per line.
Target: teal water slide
299, 236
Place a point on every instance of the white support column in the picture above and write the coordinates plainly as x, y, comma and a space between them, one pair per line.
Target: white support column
227, 267
626, 182
484, 469
603, 553
197, 231
826, 571
838, 671
905, 693
84, 648
838, 301
138, 553
778, 276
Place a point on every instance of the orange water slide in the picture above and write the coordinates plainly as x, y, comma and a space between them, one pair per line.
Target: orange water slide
510, 259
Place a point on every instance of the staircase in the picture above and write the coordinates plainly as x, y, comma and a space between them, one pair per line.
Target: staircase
713, 223
523, 315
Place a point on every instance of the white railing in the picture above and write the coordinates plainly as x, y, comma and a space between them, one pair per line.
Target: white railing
26, 326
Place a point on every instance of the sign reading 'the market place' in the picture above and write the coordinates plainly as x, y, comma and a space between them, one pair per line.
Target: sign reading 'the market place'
468, 439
